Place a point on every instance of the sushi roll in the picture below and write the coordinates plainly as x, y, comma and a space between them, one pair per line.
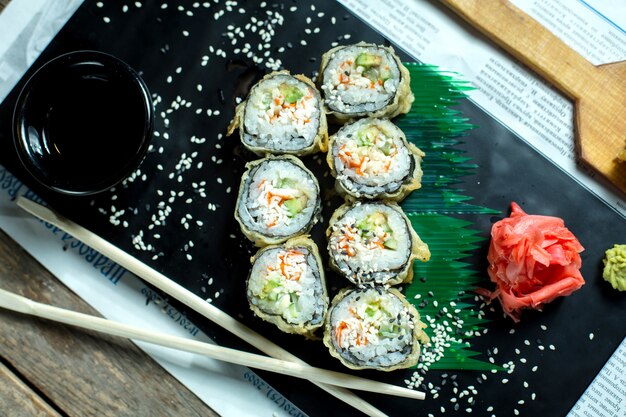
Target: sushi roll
364, 80
286, 286
374, 242
374, 328
282, 114
279, 198
372, 159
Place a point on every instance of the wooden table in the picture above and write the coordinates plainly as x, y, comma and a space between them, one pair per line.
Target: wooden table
54, 370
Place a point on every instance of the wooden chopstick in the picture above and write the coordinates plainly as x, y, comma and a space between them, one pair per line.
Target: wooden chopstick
14, 302
186, 297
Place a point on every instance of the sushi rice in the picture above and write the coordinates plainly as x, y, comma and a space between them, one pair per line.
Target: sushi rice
286, 286
372, 159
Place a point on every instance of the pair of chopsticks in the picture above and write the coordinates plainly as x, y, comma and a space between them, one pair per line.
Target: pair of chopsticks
282, 361
24, 305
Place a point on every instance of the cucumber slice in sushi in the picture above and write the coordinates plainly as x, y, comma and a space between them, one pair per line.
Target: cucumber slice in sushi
364, 80
374, 328
279, 198
286, 286
282, 115
372, 159
374, 242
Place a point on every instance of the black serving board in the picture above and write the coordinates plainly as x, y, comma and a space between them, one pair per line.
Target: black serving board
169, 46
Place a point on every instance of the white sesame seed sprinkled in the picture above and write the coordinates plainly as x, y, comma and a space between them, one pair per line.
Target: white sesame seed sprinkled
590, 336
106, 19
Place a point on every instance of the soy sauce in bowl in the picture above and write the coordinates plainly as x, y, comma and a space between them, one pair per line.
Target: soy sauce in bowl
83, 123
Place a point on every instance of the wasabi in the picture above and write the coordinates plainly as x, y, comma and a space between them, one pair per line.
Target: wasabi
615, 267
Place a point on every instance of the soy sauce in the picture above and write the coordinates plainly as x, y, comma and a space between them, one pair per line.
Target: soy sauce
86, 125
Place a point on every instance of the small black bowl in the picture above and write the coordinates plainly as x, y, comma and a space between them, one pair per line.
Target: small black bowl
82, 123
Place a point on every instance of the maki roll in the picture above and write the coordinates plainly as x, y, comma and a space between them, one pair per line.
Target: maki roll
286, 286
364, 80
279, 198
371, 158
374, 328
282, 114
374, 243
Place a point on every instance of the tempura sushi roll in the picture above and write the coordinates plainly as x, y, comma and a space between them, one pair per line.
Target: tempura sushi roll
286, 286
279, 198
374, 243
374, 328
372, 159
282, 114
364, 80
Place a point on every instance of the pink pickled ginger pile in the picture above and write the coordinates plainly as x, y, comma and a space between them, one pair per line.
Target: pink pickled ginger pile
532, 260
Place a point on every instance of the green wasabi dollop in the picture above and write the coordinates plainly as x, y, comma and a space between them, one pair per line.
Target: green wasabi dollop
615, 267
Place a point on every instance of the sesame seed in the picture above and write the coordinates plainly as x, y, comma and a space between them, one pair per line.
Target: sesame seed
590, 336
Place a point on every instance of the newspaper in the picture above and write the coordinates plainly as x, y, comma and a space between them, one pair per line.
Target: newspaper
517, 98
